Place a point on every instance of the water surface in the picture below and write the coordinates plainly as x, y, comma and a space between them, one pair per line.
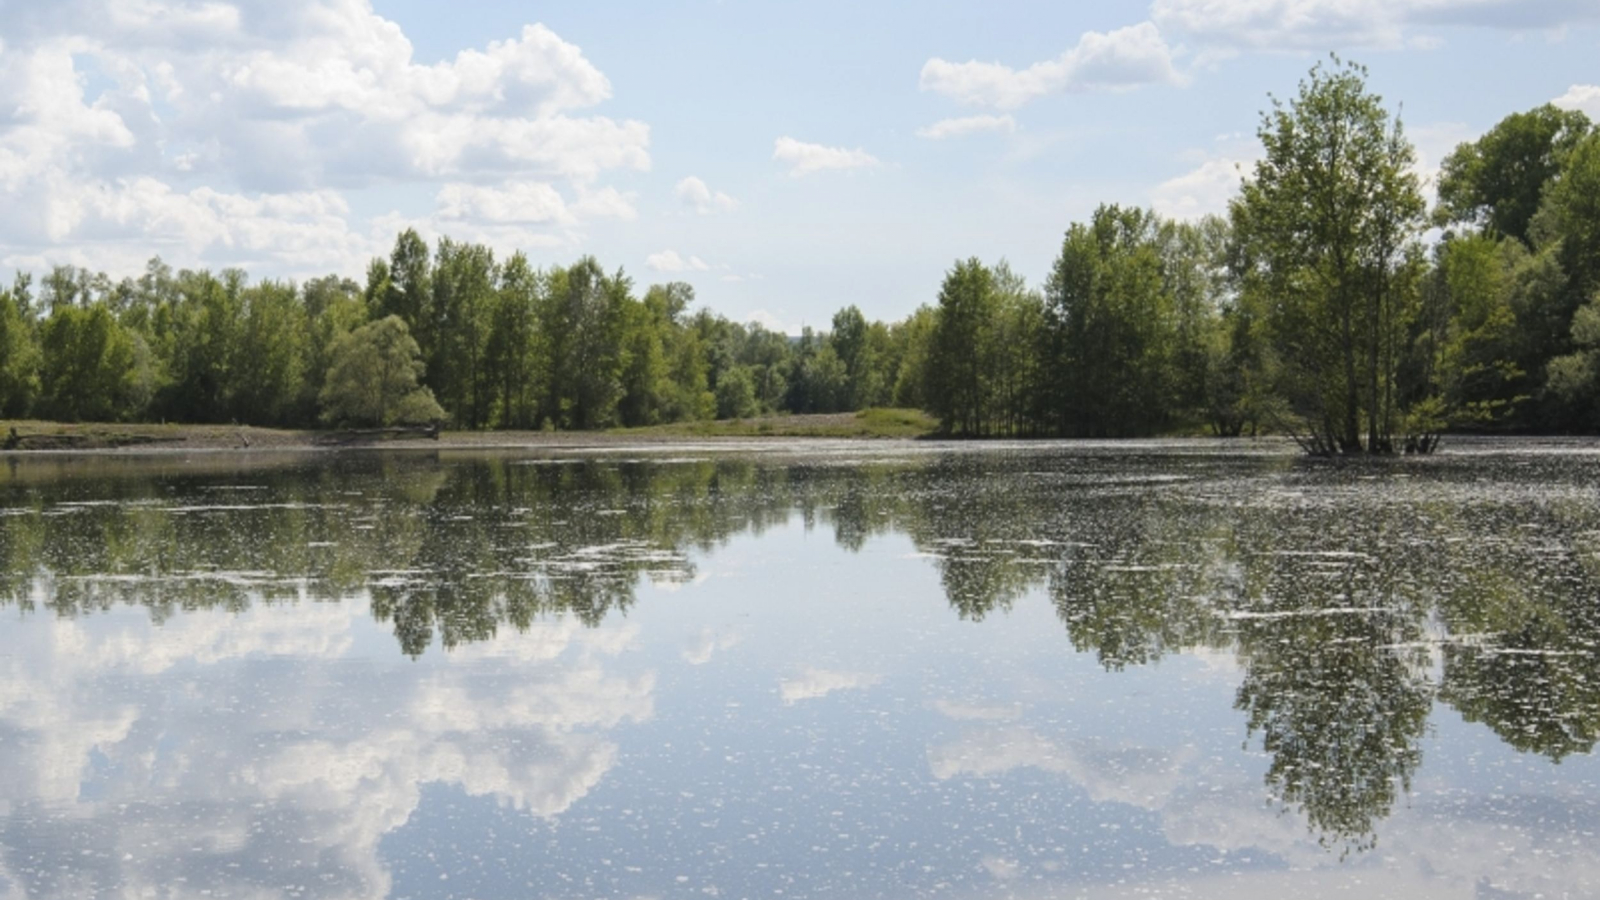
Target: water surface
1183, 669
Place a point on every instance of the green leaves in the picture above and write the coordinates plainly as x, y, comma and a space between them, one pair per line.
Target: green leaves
374, 379
1329, 222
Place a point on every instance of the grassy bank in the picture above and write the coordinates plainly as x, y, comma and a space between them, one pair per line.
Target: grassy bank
28, 435
869, 423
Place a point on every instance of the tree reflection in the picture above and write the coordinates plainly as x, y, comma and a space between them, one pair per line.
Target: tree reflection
1337, 603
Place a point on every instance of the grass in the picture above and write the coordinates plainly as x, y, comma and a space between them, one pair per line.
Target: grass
40, 435
32, 434
869, 423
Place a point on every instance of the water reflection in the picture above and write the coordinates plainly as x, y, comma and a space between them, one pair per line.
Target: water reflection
1343, 604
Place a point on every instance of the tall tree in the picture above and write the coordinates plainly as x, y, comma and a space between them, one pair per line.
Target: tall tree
89, 365
514, 343
19, 353
1329, 222
1113, 327
960, 348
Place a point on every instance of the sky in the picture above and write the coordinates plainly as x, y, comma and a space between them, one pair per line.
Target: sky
784, 158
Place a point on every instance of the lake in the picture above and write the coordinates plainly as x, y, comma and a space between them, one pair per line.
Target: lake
1148, 669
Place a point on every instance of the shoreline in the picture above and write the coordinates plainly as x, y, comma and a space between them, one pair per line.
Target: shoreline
40, 438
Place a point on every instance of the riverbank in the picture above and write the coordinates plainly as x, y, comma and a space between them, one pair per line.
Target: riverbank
35, 436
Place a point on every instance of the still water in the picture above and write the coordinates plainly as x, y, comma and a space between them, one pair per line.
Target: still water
819, 670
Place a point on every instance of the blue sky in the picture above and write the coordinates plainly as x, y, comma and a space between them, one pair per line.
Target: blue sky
784, 158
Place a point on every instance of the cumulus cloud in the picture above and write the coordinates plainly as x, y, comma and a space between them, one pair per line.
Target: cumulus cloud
698, 196
306, 777
1120, 60
1201, 191
707, 644
814, 683
1317, 25
1582, 97
804, 158
1138, 776
669, 262
229, 133
771, 322
948, 128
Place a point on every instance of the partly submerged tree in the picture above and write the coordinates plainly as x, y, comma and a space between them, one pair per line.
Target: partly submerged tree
374, 378
1328, 228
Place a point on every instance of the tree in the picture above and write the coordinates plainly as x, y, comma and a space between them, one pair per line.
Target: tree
374, 378
270, 365
1570, 220
913, 340
1498, 181
736, 394
1474, 371
1113, 327
89, 365
19, 353
962, 337
458, 314
1016, 369
512, 352
1328, 224
582, 319
1574, 378
199, 336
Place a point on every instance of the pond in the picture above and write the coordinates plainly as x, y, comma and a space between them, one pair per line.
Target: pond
1181, 668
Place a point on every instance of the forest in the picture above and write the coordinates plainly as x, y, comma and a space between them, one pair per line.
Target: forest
1330, 304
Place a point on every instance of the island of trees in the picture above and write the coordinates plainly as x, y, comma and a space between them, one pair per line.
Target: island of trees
1330, 304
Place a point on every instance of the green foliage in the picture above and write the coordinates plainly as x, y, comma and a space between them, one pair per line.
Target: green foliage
89, 365
1114, 327
583, 320
736, 394
962, 344
1571, 220
270, 363
1312, 308
1328, 226
1498, 181
374, 378
19, 353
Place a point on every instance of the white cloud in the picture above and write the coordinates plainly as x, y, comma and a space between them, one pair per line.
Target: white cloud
227, 133
313, 778
814, 683
668, 261
1583, 97
962, 127
1318, 25
771, 322
1201, 191
1138, 776
1120, 60
707, 644
515, 202
804, 159
605, 203
698, 196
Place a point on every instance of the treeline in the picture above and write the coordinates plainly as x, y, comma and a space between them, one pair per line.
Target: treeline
1329, 304
1318, 307
434, 334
